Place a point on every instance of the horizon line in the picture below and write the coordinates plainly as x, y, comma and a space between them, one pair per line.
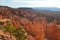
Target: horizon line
28, 6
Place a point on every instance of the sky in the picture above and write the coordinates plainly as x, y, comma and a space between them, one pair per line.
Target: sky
30, 3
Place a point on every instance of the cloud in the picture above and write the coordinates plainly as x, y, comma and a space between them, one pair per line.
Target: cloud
1, 0
20, 4
31, 3
25, 0
48, 3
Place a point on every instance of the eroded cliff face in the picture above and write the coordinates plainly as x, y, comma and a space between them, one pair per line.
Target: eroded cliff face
35, 25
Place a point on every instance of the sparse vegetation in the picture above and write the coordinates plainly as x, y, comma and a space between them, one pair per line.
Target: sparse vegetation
19, 33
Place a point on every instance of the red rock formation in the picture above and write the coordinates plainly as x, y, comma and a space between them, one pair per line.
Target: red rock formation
35, 26
29, 37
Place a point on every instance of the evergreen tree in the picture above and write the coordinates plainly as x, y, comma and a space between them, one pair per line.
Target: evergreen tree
19, 33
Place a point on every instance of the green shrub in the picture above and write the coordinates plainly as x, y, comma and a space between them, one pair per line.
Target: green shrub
19, 33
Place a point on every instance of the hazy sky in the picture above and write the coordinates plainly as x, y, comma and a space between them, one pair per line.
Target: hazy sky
30, 3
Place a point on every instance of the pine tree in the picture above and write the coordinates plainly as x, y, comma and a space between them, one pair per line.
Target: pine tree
19, 32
